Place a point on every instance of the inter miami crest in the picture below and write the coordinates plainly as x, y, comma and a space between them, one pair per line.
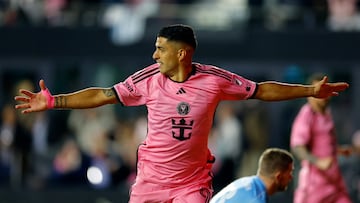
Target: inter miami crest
181, 126
183, 108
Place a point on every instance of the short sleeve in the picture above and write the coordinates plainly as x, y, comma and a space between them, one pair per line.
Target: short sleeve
238, 88
129, 94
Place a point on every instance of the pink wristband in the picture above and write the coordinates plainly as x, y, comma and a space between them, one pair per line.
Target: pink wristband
50, 99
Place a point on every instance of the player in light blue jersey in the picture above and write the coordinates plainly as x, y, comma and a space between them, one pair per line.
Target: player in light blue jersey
274, 174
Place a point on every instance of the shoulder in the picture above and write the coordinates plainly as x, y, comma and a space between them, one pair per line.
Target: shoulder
250, 188
241, 190
244, 183
252, 185
306, 110
145, 73
304, 119
213, 71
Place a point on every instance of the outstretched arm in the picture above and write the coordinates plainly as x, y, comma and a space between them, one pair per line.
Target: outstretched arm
345, 150
276, 91
43, 100
303, 154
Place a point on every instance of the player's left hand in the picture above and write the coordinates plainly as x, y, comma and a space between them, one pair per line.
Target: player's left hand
345, 150
324, 89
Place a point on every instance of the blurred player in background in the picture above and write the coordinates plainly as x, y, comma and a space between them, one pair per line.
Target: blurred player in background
313, 141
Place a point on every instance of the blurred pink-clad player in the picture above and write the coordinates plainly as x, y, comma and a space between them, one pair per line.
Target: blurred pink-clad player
313, 140
174, 162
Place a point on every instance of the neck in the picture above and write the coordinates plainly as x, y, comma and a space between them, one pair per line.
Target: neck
269, 184
183, 73
318, 108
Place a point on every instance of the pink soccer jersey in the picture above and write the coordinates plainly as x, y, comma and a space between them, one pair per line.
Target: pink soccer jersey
307, 124
317, 131
180, 116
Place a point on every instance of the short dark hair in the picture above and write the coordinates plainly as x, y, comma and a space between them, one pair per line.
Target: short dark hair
273, 160
180, 33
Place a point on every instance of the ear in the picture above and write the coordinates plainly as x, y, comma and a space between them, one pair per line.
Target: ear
277, 175
182, 54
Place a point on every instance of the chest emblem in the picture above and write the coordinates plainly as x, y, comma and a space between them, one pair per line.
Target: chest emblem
183, 108
181, 125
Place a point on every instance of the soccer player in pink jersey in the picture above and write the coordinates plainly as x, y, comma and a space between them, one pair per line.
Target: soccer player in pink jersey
313, 141
181, 96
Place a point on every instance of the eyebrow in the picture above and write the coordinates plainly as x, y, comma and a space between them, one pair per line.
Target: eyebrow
159, 47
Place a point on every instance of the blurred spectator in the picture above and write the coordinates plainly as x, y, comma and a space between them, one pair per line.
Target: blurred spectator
350, 167
278, 13
7, 134
127, 137
53, 11
25, 12
18, 133
37, 145
95, 135
223, 16
313, 141
227, 138
15, 145
91, 128
69, 166
256, 131
343, 15
127, 21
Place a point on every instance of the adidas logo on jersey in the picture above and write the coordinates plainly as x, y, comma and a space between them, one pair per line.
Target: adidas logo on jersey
181, 91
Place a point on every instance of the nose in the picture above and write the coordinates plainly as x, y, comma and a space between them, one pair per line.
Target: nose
155, 56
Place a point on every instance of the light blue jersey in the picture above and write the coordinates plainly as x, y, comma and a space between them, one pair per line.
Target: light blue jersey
245, 190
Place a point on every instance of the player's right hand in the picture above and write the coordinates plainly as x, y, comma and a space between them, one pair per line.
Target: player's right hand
324, 163
32, 102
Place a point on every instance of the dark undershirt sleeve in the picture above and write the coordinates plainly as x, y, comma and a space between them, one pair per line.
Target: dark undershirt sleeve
117, 96
256, 89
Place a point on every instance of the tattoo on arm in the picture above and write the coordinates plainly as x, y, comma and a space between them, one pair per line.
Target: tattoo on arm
60, 102
108, 92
